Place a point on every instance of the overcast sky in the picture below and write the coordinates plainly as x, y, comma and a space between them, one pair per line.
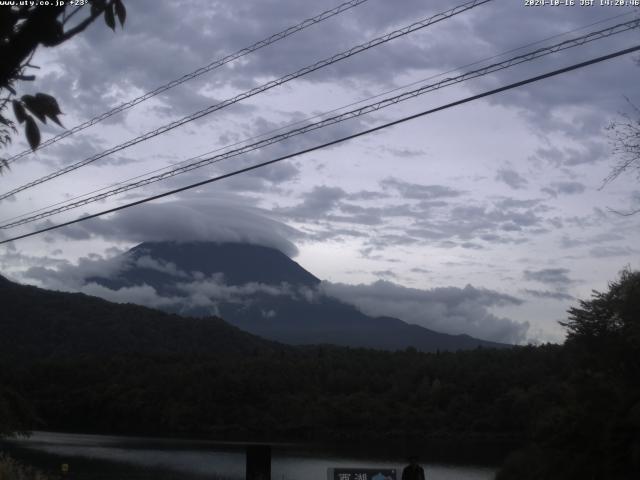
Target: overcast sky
503, 194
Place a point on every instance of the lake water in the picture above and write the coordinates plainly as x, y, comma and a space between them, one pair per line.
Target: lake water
102, 457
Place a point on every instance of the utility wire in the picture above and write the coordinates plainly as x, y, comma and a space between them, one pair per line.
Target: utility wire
527, 57
319, 115
335, 142
262, 88
196, 73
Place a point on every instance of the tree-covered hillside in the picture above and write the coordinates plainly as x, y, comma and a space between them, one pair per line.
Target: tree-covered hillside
569, 411
40, 324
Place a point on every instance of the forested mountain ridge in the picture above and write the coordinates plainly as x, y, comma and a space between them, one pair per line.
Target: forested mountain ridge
281, 300
38, 323
239, 263
575, 408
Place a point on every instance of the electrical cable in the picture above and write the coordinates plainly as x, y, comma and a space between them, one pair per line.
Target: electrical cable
307, 119
571, 43
334, 142
254, 91
196, 73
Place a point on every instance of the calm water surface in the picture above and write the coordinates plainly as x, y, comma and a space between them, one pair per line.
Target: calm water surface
102, 457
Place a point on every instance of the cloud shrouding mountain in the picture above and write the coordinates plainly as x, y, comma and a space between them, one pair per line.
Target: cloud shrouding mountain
448, 310
216, 219
497, 193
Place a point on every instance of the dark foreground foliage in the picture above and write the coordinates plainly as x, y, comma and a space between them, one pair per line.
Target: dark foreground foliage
570, 411
594, 432
13, 470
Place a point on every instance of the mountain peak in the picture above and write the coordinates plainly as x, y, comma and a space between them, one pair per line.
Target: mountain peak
243, 284
240, 263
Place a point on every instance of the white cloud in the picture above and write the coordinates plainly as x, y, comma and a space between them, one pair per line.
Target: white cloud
138, 294
448, 310
424, 192
216, 219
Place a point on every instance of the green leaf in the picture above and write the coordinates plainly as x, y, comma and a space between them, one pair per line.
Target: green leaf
18, 111
109, 17
121, 12
32, 131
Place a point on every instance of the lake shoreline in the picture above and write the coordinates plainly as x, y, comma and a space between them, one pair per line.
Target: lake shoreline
486, 450
195, 458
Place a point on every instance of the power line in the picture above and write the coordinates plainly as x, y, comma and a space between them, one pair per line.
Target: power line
262, 88
335, 142
571, 43
196, 73
319, 115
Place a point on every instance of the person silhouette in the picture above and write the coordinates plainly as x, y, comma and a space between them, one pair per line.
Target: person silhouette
413, 471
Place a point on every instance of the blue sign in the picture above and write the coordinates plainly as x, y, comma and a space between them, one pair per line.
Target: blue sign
362, 474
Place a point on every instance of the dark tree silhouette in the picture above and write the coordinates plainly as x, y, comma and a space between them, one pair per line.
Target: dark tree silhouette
615, 313
23, 29
625, 137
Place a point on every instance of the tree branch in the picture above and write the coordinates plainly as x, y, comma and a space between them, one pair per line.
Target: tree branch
624, 214
79, 28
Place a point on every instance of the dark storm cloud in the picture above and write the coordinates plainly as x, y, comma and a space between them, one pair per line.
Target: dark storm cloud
69, 276
384, 273
403, 152
192, 35
103, 68
466, 222
564, 188
420, 270
261, 180
550, 276
553, 295
332, 233
358, 215
370, 20
606, 251
183, 101
155, 32
12, 258
317, 203
449, 309
193, 289
264, 179
367, 195
75, 149
332, 207
512, 178
512, 203
590, 153
544, 100
598, 239
381, 241
433, 222
418, 191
